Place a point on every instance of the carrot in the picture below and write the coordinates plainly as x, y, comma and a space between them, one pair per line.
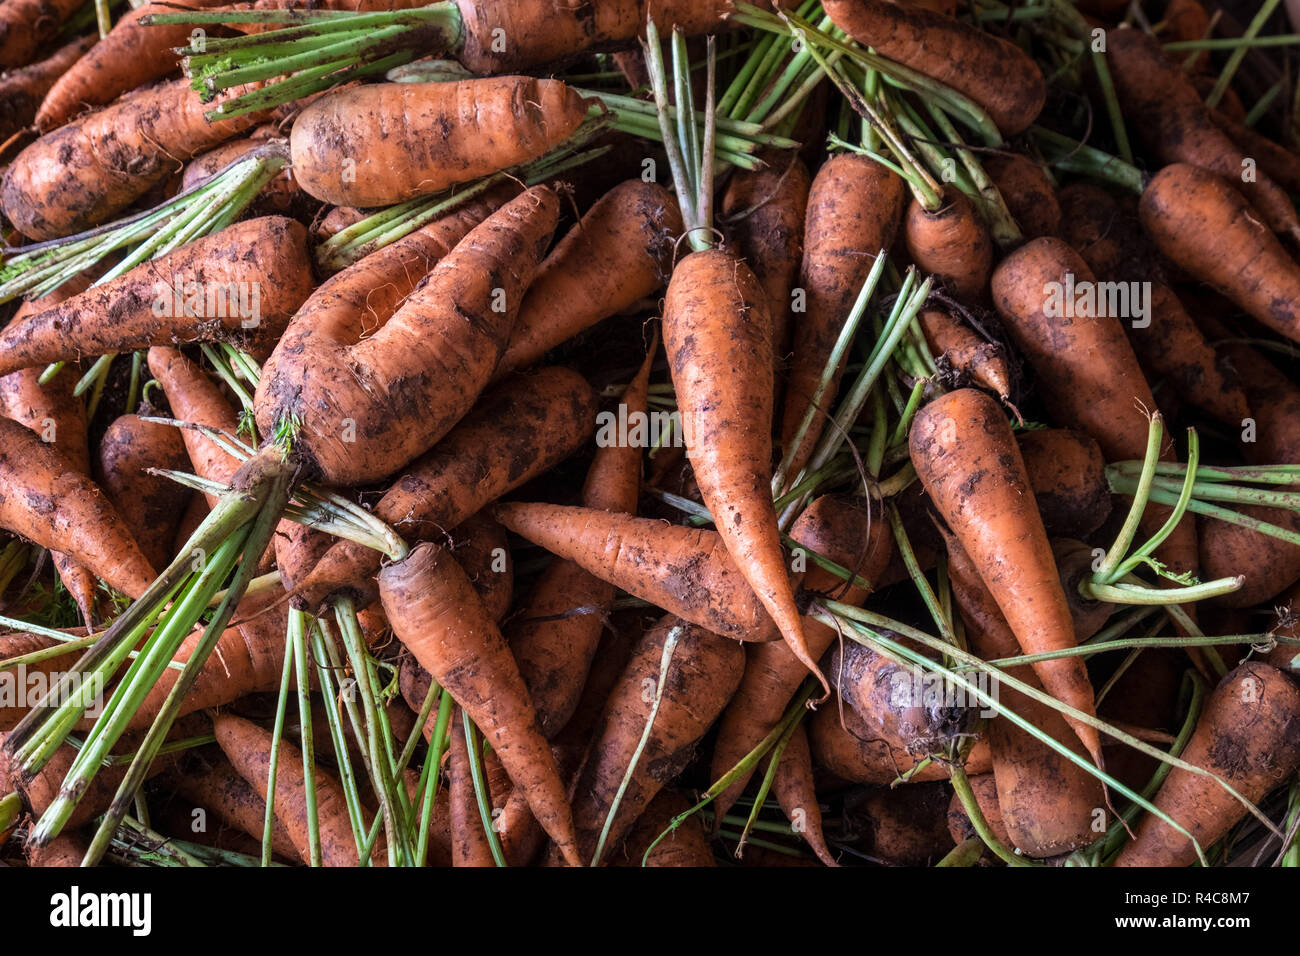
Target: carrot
1210, 231
310, 372
793, 787
436, 614
853, 751
1269, 564
383, 401
767, 208
1067, 473
1087, 372
196, 399
1168, 116
1278, 163
248, 748
991, 71
703, 673
986, 796
44, 499
469, 841
717, 329
546, 34
854, 209
902, 826
210, 782
851, 534
557, 629
39, 791
951, 243
25, 25
518, 430
151, 505
12, 706
277, 196
59, 417
970, 358
967, 458
66, 849
616, 255
1187, 20
686, 571
688, 845
238, 285
248, 659
521, 836
335, 221
1028, 192
1047, 803
1169, 344
129, 57
346, 150
22, 90
1074, 565
1249, 735
480, 547
83, 173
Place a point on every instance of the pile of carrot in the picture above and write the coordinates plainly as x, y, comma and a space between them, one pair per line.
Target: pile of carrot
529, 457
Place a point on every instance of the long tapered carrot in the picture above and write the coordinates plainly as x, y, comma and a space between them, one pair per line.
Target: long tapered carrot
248, 748
558, 627
854, 210
686, 571
966, 456
616, 255
701, 677
434, 612
518, 430
718, 335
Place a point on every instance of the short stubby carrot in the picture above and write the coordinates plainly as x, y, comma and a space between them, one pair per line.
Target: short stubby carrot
384, 143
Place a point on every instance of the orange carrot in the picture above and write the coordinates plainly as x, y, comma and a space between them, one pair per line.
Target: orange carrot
383, 143
616, 255
703, 673
994, 72
951, 243
518, 430
1249, 735
557, 629
967, 458
793, 787
372, 407
718, 335
238, 285
686, 571
83, 173
854, 210
248, 748
21, 91
436, 614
